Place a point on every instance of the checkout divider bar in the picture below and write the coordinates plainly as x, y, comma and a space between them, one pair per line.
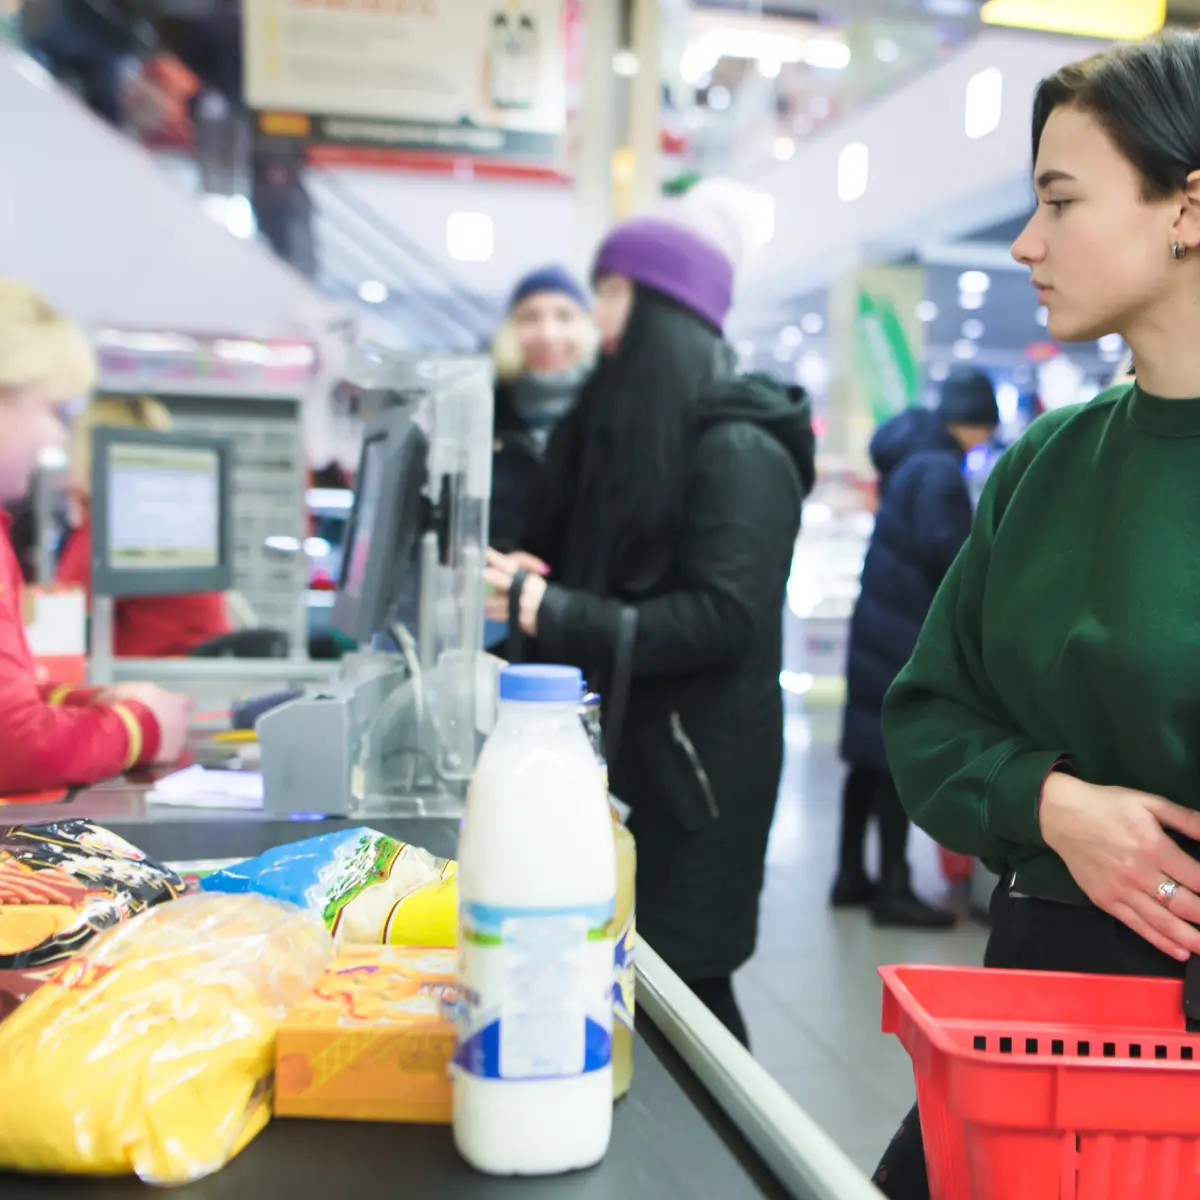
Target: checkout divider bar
803, 1157
182, 671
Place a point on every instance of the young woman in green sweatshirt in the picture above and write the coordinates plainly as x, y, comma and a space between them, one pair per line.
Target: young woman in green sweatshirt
1049, 720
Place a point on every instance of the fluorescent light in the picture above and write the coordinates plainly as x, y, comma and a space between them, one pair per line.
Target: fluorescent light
316, 547
470, 236
973, 329
965, 349
812, 323
974, 281
625, 63
234, 212
719, 97
971, 300
791, 335
886, 50
854, 167
52, 458
1008, 401
745, 348
927, 311
769, 68
783, 352
785, 148
371, 291
827, 54
1042, 317
798, 683
984, 102
813, 372
336, 499
939, 372
1111, 343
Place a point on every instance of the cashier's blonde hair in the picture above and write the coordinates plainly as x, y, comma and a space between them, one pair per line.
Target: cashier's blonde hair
40, 348
111, 412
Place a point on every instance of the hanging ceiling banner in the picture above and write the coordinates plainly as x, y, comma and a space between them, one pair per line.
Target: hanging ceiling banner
479, 77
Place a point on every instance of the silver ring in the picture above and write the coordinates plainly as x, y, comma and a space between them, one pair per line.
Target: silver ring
1166, 892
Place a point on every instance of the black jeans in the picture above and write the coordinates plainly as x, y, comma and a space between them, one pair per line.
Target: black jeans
1030, 935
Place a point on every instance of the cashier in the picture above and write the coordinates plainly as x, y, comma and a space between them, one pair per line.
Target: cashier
144, 626
56, 736
1049, 721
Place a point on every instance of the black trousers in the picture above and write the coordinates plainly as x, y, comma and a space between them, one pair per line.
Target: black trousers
869, 793
1030, 935
717, 995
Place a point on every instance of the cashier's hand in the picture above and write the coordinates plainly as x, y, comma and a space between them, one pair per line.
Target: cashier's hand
1115, 844
171, 710
499, 573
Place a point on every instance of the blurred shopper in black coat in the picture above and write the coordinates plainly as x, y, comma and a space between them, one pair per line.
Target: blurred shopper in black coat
671, 509
923, 519
542, 354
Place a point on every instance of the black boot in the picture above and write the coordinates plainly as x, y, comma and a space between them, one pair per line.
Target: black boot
897, 906
852, 887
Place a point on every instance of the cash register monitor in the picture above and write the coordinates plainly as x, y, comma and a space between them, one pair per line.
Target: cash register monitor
161, 516
378, 566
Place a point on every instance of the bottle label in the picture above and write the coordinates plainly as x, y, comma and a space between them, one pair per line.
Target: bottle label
625, 973
536, 998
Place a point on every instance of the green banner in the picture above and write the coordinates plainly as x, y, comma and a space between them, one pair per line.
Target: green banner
886, 365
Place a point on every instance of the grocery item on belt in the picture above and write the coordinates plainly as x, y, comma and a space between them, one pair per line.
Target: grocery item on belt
369, 888
17, 986
63, 882
373, 1040
152, 1052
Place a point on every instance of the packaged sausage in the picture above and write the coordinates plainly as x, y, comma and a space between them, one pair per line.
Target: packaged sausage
63, 882
368, 888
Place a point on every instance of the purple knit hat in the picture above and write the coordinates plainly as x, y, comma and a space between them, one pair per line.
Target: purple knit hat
673, 260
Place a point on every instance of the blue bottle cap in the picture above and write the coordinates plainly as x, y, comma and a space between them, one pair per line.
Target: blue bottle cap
535, 682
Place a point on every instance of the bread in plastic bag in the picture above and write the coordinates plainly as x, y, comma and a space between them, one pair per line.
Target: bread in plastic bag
369, 889
152, 1054
62, 882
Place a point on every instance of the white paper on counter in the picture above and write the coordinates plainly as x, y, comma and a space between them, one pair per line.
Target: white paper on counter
199, 787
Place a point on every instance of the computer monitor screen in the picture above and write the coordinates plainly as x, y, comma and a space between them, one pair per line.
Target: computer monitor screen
160, 513
165, 509
377, 587
366, 507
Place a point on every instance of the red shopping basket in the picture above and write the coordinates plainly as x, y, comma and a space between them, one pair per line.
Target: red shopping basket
1040, 1086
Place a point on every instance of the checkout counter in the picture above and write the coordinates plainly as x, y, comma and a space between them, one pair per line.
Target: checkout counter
390, 741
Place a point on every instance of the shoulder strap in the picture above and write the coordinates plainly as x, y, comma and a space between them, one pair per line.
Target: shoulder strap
617, 699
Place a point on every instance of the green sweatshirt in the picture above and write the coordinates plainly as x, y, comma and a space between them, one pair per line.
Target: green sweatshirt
1067, 629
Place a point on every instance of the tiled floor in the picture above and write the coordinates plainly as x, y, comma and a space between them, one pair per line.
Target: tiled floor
811, 994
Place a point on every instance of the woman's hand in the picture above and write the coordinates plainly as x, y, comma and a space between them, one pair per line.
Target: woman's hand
1115, 845
499, 573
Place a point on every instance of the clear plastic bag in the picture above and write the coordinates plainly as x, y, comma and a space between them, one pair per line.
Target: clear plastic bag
153, 1053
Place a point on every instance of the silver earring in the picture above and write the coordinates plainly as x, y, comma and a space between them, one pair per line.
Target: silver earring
1178, 252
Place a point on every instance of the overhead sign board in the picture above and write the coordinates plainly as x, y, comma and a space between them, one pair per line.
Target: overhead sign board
477, 76
1121, 20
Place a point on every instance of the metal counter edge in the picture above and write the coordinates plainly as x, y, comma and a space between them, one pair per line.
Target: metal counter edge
803, 1157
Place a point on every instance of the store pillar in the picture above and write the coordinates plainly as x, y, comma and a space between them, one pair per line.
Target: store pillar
876, 352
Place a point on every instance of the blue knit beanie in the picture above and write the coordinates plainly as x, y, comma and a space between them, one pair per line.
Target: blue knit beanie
549, 279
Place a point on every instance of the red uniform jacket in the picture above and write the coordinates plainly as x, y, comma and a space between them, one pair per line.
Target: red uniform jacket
148, 626
54, 737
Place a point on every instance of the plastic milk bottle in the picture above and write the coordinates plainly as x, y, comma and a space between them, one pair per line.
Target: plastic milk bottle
533, 1083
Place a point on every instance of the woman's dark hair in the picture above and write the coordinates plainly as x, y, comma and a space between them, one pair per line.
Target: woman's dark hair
632, 430
1146, 96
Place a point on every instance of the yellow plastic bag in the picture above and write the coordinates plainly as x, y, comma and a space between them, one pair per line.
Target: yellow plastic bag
153, 1053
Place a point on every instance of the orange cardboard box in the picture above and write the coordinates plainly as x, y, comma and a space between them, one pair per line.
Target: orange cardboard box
374, 1040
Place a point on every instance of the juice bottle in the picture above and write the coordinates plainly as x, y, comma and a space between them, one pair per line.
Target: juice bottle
537, 894
625, 919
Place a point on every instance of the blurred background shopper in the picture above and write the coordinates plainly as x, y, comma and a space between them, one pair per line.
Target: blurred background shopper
923, 519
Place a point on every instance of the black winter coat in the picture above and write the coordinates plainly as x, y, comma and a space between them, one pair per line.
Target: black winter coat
923, 519
701, 748
516, 469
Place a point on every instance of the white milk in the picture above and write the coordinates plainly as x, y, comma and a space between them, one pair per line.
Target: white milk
536, 883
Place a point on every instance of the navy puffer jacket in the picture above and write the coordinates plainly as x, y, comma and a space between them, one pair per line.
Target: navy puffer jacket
923, 519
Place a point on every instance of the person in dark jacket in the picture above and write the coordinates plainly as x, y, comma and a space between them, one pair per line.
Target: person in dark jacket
670, 513
923, 519
542, 354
